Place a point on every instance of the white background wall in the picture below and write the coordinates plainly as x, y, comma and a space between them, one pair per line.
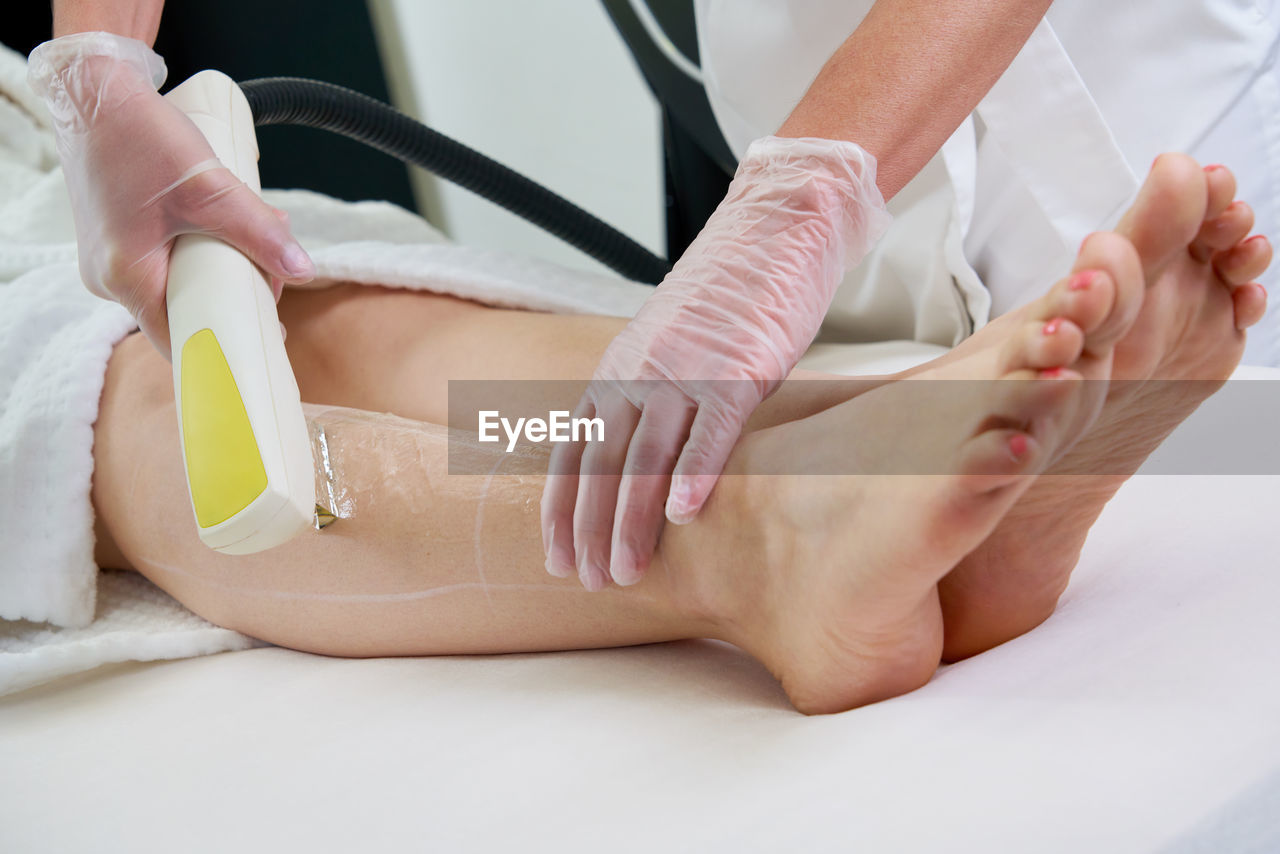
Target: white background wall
547, 88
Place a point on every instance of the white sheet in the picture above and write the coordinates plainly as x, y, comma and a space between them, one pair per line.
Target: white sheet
1141, 717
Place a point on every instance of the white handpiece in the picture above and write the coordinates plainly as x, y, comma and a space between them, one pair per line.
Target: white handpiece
245, 443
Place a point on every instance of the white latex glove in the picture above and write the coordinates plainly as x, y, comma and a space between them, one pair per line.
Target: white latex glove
717, 337
139, 174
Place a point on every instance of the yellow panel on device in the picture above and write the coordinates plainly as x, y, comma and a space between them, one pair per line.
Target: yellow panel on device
224, 467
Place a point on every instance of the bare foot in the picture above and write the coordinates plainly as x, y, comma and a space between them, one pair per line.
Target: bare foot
1189, 235
832, 581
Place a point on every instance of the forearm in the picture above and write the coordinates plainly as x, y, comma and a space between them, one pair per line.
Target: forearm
137, 19
906, 78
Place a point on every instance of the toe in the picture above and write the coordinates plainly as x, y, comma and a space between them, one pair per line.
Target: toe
1223, 231
1250, 304
1050, 344
1028, 396
1034, 400
1168, 213
1243, 262
1221, 186
1105, 291
996, 458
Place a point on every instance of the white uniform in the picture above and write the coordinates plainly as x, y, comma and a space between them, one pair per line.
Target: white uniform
1056, 149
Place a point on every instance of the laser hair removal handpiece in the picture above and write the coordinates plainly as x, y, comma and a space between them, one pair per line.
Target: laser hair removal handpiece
244, 438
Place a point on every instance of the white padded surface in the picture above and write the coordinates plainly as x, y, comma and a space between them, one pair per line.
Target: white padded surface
1141, 717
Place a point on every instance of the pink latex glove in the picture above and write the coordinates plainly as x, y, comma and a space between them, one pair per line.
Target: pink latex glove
717, 337
139, 174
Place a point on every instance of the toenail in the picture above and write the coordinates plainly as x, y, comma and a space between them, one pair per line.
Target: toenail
1018, 446
1082, 280
1051, 327
1052, 373
1214, 166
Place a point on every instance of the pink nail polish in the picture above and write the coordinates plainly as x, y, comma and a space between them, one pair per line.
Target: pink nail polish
1052, 374
1018, 446
1051, 328
1212, 166
1082, 280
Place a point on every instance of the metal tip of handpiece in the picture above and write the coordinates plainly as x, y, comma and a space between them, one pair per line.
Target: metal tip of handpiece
323, 518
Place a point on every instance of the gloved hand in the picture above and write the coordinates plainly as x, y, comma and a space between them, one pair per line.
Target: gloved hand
718, 336
139, 174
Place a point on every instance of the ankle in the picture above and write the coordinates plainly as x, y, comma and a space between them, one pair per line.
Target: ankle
721, 567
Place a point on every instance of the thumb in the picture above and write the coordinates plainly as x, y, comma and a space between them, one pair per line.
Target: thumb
240, 217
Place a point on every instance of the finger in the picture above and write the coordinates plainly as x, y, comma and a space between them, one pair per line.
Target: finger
232, 212
277, 283
145, 300
711, 439
638, 519
155, 326
602, 464
560, 495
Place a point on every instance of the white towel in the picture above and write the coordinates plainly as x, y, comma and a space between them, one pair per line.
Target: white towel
136, 621
56, 338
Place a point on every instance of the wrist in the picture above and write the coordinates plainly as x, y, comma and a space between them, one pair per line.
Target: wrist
138, 19
75, 65
830, 181
841, 161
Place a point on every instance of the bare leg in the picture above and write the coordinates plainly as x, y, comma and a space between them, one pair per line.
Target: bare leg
418, 575
435, 563
388, 350
1190, 239
426, 563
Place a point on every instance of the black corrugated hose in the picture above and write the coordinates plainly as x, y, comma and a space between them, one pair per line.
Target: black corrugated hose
312, 103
